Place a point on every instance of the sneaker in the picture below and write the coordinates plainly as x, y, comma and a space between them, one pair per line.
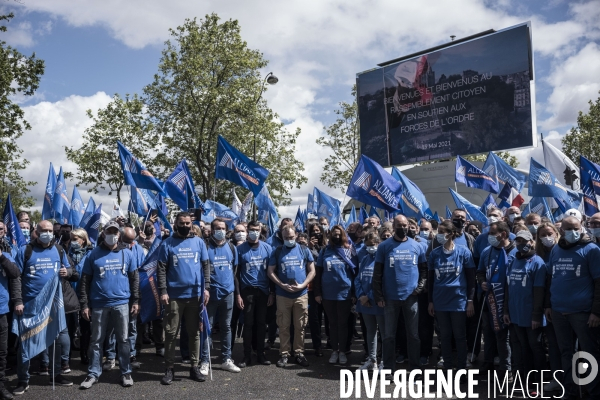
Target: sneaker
440, 363
21, 388
300, 359
5, 394
60, 380
44, 370
185, 360
167, 379
160, 352
204, 368
369, 365
319, 352
424, 361
496, 361
246, 363
88, 382
65, 369
334, 357
262, 360
282, 362
552, 386
196, 375
343, 359
400, 359
228, 365
108, 365
469, 364
135, 364
126, 380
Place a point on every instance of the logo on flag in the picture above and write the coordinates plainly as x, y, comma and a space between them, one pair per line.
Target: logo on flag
226, 161
323, 209
462, 170
180, 180
544, 179
538, 209
130, 164
364, 181
490, 170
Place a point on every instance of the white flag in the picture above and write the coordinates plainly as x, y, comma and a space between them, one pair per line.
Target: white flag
246, 207
116, 210
561, 166
236, 204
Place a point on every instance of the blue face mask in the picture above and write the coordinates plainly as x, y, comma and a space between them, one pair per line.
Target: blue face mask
290, 243
572, 236
595, 232
493, 241
25, 233
424, 234
371, 249
219, 234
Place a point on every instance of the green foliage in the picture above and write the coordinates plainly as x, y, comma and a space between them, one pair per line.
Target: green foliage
19, 76
343, 138
584, 139
98, 159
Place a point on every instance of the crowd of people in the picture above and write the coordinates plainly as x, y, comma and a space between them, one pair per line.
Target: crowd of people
401, 281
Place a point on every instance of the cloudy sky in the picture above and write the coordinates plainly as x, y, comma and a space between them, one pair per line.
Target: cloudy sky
94, 49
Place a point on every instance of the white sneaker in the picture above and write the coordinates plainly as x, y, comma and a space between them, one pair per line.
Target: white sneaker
334, 357
552, 386
440, 363
343, 359
204, 368
230, 366
380, 366
368, 365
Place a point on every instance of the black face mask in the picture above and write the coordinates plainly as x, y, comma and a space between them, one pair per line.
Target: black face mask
401, 232
183, 230
523, 248
65, 236
353, 236
411, 234
336, 240
458, 223
149, 231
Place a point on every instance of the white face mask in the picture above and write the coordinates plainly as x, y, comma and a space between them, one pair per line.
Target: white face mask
511, 217
111, 240
371, 249
46, 237
441, 238
240, 236
253, 235
548, 241
492, 219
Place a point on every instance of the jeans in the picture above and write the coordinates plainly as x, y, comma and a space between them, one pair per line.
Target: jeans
118, 317
225, 309
315, 320
453, 323
255, 315
410, 309
370, 336
564, 326
553, 350
23, 368
64, 341
174, 312
288, 311
527, 350
338, 312
496, 340
111, 342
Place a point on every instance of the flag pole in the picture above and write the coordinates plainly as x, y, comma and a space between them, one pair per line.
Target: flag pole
53, 359
478, 324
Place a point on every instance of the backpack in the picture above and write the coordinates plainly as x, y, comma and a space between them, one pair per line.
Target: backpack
61, 254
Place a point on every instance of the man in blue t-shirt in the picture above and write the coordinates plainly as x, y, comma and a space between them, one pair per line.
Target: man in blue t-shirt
574, 307
109, 285
255, 289
223, 259
291, 267
398, 277
182, 270
276, 239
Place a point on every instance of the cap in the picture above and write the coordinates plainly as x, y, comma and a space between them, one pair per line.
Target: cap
111, 224
572, 212
525, 234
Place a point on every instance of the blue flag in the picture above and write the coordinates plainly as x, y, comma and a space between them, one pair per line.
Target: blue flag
538, 206
162, 211
373, 212
499, 170
487, 203
234, 166
93, 225
272, 224
298, 222
179, 187
496, 280
590, 202
593, 171
142, 201
557, 215
193, 196
542, 183
151, 307
412, 202
352, 217
474, 177
13, 231
506, 191
77, 209
218, 210
47, 210
310, 205
42, 320
328, 207
448, 213
135, 173
362, 216
436, 217
265, 206
473, 212
60, 202
90, 208
373, 185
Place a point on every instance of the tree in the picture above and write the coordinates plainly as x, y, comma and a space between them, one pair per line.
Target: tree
19, 76
208, 84
98, 159
584, 139
343, 138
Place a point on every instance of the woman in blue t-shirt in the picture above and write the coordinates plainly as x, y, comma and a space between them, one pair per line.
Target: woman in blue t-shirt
333, 288
451, 284
372, 315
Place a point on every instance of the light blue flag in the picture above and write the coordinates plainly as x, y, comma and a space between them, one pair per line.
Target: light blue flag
298, 222
498, 169
436, 217
265, 206
42, 320
363, 215
328, 207
542, 183
474, 177
352, 217
60, 203
13, 231
487, 203
473, 212
89, 211
448, 213
218, 210
47, 210
310, 205
77, 209
135, 173
590, 202
142, 201
373, 212
593, 171
413, 202
538, 206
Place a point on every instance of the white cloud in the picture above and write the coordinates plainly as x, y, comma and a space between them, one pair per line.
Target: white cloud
20, 34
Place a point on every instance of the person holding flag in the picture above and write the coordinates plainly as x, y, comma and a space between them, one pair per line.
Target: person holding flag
10, 271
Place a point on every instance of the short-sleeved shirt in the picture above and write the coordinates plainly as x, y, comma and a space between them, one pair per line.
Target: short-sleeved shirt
336, 280
38, 269
450, 281
253, 265
291, 267
363, 283
223, 259
523, 275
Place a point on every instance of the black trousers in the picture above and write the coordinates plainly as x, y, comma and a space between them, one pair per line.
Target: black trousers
315, 320
425, 325
255, 315
86, 334
3, 345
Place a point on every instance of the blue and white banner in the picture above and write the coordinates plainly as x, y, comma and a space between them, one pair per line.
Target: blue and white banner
498, 169
474, 177
412, 202
135, 173
47, 210
542, 183
373, 185
234, 166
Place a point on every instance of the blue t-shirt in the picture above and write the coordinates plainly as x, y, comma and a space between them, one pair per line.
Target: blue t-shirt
290, 266
138, 253
489, 258
358, 247
461, 241
274, 241
523, 276
450, 282
481, 242
400, 267
39, 269
573, 274
110, 283
222, 269
363, 283
337, 277
4, 294
184, 257
253, 265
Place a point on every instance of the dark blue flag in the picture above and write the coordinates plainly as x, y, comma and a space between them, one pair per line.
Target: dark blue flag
413, 202
362, 216
488, 202
474, 177
142, 201
328, 207
60, 203
13, 231
93, 225
218, 210
234, 166
47, 210
180, 189
90, 208
135, 173
373, 185
448, 213
265, 206
506, 191
593, 171
151, 307
496, 280
298, 222
590, 201
373, 212
193, 196
498, 169
77, 209
542, 183
473, 212
538, 206
310, 205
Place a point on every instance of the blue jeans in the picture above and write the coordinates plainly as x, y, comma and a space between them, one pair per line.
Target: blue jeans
225, 309
564, 326
410, 310
371, 323
23, 368
111, 340
118, 317
64, 341
453, 323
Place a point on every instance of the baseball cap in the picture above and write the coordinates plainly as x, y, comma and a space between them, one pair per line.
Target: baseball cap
525, 234
111, 224
572, 212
